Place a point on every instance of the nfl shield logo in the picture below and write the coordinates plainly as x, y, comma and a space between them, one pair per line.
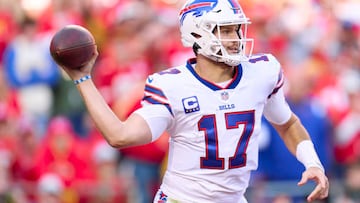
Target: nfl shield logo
224, 95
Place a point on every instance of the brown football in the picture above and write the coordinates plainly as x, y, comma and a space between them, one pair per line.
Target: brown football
72, 46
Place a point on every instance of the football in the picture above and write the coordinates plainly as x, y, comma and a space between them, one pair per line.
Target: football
72, 46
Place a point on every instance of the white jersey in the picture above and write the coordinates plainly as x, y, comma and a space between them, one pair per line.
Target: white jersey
213, 130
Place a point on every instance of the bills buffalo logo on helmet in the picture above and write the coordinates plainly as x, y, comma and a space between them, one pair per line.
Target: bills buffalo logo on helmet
199, 7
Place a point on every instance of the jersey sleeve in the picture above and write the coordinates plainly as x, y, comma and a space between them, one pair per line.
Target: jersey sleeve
157, 117
156, 108
276, 109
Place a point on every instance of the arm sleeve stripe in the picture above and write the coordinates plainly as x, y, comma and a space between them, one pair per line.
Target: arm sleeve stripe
279, 84
155, 91
152, 100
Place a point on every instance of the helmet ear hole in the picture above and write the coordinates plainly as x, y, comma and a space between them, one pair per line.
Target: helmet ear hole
196, 48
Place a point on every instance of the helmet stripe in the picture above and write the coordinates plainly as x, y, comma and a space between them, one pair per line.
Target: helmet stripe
235, 5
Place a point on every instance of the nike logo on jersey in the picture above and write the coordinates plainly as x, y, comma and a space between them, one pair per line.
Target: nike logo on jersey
191, 104
150, 79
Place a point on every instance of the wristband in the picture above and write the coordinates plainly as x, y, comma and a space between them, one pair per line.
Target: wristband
306, 154
76, 82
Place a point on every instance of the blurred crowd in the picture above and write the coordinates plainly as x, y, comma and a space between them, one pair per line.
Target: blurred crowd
50, 151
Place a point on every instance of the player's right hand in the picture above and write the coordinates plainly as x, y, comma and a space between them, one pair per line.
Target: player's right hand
80, 72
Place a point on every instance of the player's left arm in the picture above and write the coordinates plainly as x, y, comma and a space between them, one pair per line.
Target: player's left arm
297, 140
294, 134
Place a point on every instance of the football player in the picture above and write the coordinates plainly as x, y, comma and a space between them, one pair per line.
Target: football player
212, 107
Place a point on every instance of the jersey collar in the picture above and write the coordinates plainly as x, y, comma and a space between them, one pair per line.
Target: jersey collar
235, 81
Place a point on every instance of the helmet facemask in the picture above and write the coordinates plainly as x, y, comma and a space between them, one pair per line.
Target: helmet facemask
215, 49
